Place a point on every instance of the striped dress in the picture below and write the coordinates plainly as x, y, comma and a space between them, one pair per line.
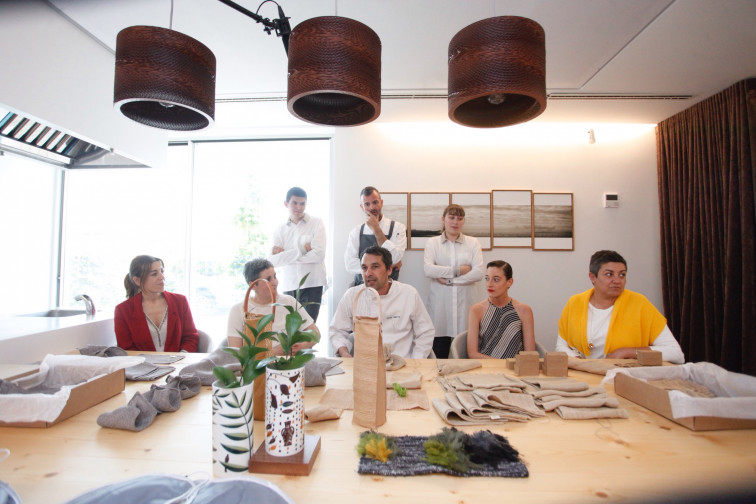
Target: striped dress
500, 334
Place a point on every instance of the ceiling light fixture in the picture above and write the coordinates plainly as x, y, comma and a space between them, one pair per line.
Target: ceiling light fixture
497, 72
334, 72
164, 78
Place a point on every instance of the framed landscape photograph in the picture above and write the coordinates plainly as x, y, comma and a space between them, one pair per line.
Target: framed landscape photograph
553, 225
477, 216
512, 218
396, 206
426, 210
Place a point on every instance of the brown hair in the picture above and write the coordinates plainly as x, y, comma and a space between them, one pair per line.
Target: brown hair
452, 209
140, 268
503, 266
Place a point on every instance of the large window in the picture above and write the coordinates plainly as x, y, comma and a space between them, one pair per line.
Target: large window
29, 219
209, 211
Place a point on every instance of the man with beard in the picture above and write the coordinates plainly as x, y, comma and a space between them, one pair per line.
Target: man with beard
405, 323
377, 230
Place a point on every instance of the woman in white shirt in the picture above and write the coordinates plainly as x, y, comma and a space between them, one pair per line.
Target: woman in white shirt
454, 263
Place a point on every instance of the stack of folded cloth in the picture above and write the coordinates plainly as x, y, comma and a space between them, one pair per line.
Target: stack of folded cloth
475, 399
572, 399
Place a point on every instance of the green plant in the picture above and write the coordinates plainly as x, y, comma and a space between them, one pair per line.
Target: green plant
290, 336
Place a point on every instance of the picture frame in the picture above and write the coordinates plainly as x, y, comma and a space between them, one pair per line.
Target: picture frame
396, 206
512, 218
553, 221
426, 210
477, 216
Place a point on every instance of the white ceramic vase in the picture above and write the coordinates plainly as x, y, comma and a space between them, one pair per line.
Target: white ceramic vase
232, 429
284, 411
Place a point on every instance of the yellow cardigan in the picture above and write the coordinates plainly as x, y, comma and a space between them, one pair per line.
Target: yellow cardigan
635, 322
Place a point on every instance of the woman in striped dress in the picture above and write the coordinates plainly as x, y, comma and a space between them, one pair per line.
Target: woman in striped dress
499, 327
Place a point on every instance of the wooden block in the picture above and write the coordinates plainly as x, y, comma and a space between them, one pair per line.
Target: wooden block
510, 363
555, 364
527, 364
299, 464
649, 358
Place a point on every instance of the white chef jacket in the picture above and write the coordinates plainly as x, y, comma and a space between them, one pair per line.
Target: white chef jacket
396, 244
405, 322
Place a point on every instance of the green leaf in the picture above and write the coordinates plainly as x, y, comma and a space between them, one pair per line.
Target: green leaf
236, 437
234, 467
263, 322
234, 450
225, 376
293, 323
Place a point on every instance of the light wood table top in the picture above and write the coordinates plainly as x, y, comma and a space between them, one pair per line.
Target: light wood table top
644, 457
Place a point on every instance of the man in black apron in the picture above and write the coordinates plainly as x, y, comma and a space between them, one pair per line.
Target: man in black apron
377, 230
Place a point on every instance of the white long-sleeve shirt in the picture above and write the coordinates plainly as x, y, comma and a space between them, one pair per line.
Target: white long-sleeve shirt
598, 328
405, 322
295, 262
396, 244
449, 305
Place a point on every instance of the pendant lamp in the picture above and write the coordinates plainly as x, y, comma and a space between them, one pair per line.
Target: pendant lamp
164, 79
497, 72
334, 72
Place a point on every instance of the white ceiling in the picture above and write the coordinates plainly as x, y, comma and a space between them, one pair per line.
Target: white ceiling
609, 47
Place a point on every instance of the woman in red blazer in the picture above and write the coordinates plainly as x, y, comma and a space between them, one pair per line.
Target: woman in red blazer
152, 319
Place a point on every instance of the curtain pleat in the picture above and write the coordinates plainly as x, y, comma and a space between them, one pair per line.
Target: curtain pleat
706, 159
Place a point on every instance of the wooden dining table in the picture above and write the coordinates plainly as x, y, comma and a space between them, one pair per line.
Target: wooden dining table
642, 458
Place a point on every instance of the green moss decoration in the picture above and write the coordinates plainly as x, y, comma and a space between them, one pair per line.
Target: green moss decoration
376, 446
400, 390
447, 449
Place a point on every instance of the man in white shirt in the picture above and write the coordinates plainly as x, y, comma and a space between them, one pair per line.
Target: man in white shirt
299, 248
405, 323
376, 230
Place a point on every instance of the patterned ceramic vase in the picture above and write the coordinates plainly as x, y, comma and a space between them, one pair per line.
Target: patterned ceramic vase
284, 411
232, 429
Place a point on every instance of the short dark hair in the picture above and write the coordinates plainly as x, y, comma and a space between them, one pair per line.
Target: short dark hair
367, 191
254, 267
503, 266
379, 251
296, 191
602, 257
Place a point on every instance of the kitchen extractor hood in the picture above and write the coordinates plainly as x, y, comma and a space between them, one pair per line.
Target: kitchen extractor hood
32, 138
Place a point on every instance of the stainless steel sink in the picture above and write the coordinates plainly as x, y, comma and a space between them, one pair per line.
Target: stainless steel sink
57, 312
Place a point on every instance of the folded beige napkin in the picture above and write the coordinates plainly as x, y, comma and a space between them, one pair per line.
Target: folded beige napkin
492, 382
596, 401
549, 395
341, 399
413, 399
407, 379
393, 361
597, 366
556, 383
447, 367
321, 412
503, 399
569, 413
453, 413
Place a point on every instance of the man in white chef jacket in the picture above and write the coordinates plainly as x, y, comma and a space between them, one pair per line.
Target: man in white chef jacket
405, 323
376, 230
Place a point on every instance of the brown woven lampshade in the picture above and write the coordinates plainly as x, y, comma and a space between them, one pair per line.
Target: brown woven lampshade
164, 79
497, 72
334, 72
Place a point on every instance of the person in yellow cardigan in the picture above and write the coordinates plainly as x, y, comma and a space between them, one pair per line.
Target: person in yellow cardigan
608, 321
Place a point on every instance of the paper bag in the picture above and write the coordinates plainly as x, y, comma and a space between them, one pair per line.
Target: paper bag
369, 367
258, 389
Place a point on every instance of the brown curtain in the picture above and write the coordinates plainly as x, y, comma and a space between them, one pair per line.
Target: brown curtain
706, 159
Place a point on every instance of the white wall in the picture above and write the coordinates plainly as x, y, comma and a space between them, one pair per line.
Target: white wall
406, 156
55, 73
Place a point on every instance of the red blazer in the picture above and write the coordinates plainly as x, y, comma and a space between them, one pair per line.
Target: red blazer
132, 332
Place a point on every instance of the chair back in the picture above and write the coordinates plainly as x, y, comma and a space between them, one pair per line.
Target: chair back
458, 348
205, 342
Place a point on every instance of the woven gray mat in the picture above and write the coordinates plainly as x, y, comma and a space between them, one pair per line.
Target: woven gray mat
409, 462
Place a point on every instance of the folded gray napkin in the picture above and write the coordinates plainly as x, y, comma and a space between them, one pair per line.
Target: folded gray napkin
135, 416
147, 372
204, 368
317, 369
142, 409
8, 387
102, 351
